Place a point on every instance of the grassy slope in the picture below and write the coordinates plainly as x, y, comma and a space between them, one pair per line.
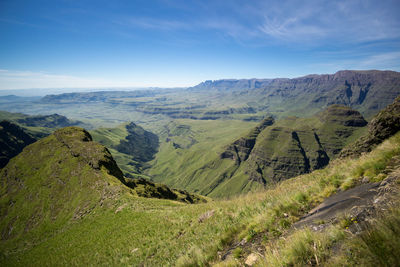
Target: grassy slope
132, 230
199, 168
112, 137
173, 165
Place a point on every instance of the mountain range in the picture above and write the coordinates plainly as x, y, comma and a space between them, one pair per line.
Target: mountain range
366, 91
64, 197
226, 173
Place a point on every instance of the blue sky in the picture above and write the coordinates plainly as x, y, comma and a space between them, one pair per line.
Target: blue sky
167, 43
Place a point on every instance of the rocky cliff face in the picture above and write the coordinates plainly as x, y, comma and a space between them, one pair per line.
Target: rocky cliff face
240, 150
385, 124
365, 91
297, 147
278, 149
283, 153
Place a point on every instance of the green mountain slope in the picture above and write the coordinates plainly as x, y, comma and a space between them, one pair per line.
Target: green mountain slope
295, 146
187, 146
12, 140
272, 151
55, 181
131, 146
105, 224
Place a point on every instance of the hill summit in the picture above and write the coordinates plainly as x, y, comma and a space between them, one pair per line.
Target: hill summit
54, 180
62, 178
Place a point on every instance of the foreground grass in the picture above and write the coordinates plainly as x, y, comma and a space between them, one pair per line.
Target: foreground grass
133, 230
377, 245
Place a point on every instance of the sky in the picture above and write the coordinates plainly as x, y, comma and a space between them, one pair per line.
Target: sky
177, 43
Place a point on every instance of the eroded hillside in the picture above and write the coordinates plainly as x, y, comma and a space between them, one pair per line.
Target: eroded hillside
272, 151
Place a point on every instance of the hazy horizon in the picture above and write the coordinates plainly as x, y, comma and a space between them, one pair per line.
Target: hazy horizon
38, 92
163, 43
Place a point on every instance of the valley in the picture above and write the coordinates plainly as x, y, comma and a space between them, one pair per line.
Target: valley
199, 128
219, 174
205, 133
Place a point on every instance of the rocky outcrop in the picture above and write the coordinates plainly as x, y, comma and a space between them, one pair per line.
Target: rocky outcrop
80, 144
295, 148
342, 115
240, 150
145, 188
381, 127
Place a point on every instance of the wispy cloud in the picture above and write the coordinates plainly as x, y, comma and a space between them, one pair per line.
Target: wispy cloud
10, 79
343, 21
382, 61
391, 59
153, 23
308, 21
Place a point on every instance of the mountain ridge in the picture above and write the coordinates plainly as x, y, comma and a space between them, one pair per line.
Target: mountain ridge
272, 151
367, 91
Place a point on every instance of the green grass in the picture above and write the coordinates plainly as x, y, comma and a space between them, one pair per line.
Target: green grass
178, 167
303, 248
130, 230
378, 245
189, 154
131, 155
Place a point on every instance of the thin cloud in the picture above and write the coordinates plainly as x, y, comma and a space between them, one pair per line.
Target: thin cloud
342, 21
28, 79
308, 21
383, 61
155, 24
291, 29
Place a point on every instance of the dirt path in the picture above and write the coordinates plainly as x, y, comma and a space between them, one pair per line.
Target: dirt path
342, 202
360, 203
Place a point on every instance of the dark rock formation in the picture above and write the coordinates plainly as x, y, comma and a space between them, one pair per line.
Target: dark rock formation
241, 148
282, 152
381, 127
12, 140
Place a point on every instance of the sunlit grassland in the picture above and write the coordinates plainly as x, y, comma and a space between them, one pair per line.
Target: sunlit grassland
173, 165
197, 166
132, 230
111, 137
